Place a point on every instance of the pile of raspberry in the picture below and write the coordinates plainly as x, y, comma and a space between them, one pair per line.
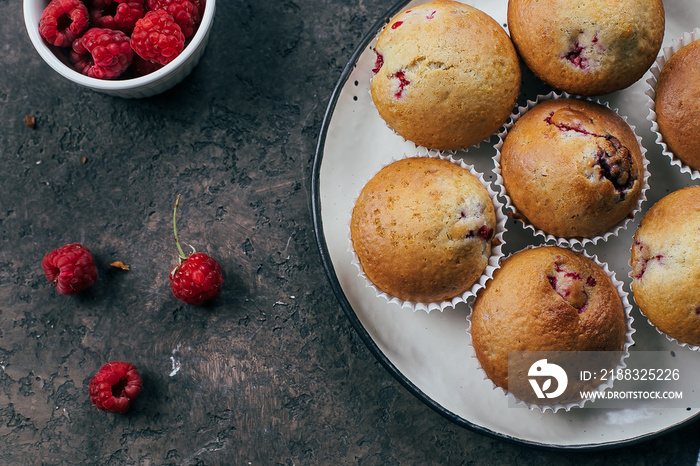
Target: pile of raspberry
108, 39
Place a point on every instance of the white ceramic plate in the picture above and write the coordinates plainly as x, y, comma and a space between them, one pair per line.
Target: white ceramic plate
429, 353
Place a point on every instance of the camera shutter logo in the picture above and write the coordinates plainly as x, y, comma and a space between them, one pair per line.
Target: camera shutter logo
541, 369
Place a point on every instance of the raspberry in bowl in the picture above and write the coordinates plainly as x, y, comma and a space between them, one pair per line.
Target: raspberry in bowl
102, 61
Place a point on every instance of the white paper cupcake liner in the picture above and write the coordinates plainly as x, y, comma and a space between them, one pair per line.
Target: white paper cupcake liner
496, 247
655, 70
629, 341
549, 238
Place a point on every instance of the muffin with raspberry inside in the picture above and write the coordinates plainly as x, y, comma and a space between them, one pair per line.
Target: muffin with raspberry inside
115, 386
572, 168
548, 299
446, 75
587, 47
102, 53
423, 230
665, 259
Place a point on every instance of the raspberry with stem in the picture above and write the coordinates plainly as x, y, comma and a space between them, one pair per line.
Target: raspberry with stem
198, 277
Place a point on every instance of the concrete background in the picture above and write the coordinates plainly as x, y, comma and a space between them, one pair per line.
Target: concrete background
270, 373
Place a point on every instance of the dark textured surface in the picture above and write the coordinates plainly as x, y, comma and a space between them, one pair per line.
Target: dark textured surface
272, 372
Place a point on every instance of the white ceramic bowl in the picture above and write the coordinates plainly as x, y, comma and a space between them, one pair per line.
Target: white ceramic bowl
151, 84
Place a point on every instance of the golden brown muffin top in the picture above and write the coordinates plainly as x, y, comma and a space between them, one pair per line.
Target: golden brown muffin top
422, 229
572, 168
666, 265
677, 109
545, 299
587, 47
447, 75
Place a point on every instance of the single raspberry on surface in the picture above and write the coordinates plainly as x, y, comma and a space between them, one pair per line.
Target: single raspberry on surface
185, 13
115, 386
63, 21
102, 53
197, 278
157, 37
116, 14
71, 268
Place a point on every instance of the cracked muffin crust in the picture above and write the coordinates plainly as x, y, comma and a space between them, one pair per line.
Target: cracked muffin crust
587, 47
446, 75
545, 299
572, 168
423, 229
665, 261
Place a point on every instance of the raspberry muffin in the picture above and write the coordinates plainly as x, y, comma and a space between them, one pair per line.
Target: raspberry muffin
676, 102
546, 299
666, 265
446, 77
587, 47
423, 229
572, 168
